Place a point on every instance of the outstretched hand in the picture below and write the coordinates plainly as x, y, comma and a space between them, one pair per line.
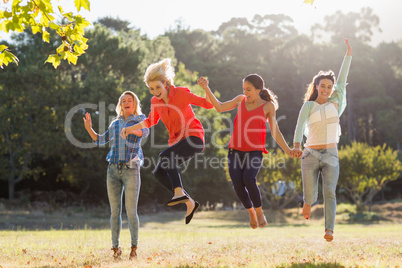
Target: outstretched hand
349, 52
87, 121
203, 82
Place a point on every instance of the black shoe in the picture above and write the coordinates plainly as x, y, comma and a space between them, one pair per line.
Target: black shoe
189, 217
177, 200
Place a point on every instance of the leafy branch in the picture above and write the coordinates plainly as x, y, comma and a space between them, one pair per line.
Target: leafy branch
37, 15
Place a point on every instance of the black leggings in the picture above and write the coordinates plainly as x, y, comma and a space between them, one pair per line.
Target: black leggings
166, 171
243, 170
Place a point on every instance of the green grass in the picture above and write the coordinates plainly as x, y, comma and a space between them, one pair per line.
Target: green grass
213, 239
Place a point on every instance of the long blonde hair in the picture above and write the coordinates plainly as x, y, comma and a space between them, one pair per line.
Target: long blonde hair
161, 71
137, 106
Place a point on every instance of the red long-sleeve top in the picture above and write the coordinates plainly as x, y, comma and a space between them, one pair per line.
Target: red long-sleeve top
177, 115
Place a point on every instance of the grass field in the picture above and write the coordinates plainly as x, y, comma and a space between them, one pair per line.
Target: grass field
213, 239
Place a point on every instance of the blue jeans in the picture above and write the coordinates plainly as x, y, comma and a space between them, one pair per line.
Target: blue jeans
243, 170
127, 179
326, 162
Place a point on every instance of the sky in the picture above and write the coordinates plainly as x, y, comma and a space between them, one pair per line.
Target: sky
154, 17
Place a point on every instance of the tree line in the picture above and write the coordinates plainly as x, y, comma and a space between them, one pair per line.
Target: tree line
41, 107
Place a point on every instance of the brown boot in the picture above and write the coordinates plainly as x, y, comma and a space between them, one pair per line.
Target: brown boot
116, 252
133, 253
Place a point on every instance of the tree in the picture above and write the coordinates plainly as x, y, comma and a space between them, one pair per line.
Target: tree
115, 24
39, 16
365, 170
280, 180
359, 25
38, 105
30, 105
387, 124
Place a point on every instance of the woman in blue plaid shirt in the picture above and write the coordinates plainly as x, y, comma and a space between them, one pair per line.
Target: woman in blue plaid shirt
123, 173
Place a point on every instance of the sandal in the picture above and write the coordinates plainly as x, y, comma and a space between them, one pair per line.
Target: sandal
177, 200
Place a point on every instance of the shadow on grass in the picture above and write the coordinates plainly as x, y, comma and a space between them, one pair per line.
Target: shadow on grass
315, 265
61, 266
98, 218
295, 265
39, 221
62, 220
246, 225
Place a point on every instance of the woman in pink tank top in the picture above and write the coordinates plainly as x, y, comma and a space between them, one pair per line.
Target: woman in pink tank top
255, 107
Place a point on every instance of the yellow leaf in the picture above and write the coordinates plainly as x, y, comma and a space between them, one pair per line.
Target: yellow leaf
72, 58
84, 46
54, 26
18, 27
81, 3
60, 49
3, 27
7, 14
6, 57
45, 36
44, 21
78, 49
51, 58
309, 1
36, 29
54, 59
60, 9
63, 55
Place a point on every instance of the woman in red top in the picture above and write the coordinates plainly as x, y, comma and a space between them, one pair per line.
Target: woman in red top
247, 143
172, 105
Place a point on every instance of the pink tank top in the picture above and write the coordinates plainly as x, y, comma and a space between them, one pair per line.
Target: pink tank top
249, 130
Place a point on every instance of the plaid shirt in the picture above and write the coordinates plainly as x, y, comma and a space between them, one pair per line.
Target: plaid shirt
123, 150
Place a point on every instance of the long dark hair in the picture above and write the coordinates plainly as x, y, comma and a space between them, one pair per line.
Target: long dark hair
312, 92
265, 93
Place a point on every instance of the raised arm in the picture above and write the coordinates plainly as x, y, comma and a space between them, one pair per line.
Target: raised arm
219, 106
339, 95
99, 139
343, 72
349, 52
88, 126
